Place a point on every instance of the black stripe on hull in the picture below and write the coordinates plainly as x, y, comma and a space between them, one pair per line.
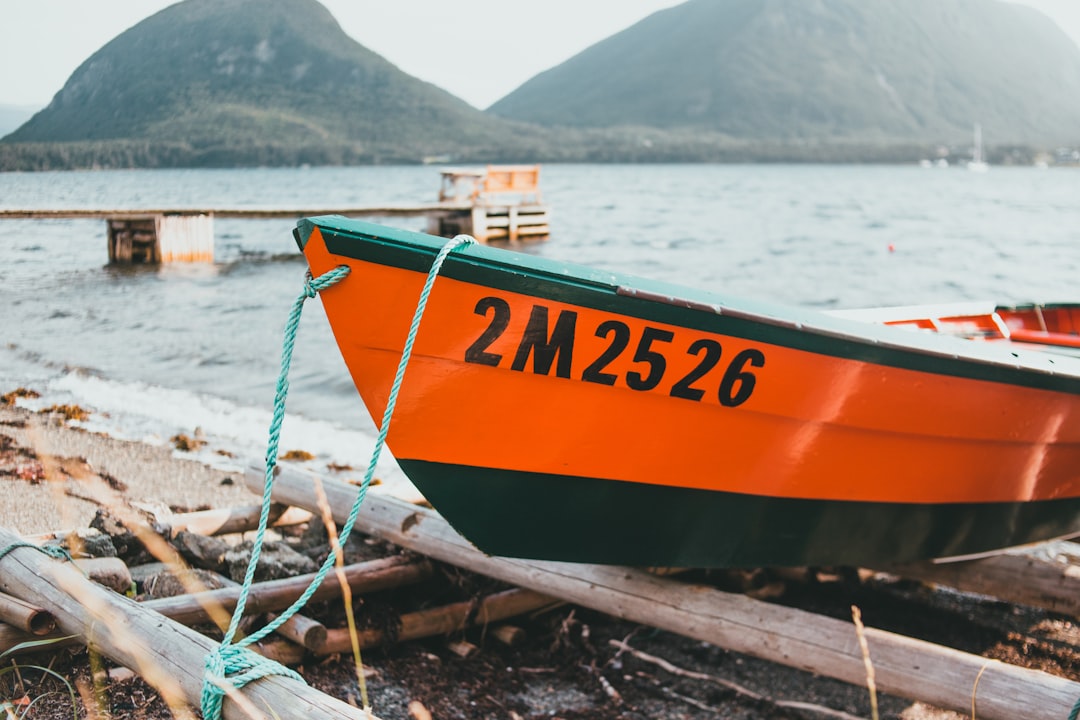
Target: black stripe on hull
578, 519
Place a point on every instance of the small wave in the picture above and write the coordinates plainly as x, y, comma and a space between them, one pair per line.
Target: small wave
254, 259
150, 413
79, 370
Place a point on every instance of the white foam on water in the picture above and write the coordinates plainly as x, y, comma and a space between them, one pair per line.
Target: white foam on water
236, 436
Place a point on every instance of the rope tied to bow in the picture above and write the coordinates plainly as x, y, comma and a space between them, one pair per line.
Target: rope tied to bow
232, 663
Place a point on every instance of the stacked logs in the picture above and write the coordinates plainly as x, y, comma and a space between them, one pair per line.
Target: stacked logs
48, 599
88, 601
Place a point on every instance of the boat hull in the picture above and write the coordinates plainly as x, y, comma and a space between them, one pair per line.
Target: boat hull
554, 412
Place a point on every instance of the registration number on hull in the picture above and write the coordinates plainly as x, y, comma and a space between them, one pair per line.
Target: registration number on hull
547, 347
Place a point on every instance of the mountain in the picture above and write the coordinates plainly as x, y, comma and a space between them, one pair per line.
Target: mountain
250, 81
821, 70
277, 82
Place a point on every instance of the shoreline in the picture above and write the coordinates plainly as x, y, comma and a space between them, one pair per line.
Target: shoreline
51, 468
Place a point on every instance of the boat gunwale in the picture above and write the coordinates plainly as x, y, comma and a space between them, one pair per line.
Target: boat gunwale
866, 341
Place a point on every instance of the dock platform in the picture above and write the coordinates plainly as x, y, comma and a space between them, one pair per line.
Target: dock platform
494, 204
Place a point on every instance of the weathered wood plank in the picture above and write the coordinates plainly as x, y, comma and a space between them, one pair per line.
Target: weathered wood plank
265, 213
1015, 578
24, 616
903, 666
369, 576
168, 655
221, 521
442, 620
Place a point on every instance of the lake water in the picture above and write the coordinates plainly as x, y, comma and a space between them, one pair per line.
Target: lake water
160, 351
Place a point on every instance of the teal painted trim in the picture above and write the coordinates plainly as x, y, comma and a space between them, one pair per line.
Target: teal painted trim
580, 519
302, 233
786, 326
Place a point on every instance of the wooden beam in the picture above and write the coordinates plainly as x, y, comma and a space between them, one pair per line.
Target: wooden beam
1015, 578
299, 628
168, 655
221, 521
442, 620
24, 616
266, 213
303, 631
369, 576
903, 666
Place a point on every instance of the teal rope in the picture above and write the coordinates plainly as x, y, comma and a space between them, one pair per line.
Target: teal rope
1075, 710
232, 662
53, 551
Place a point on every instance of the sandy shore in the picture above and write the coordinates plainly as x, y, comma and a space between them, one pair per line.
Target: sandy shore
74, 459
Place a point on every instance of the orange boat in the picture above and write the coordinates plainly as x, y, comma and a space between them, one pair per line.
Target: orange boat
558, 412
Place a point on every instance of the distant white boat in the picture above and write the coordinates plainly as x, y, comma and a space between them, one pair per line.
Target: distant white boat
977, 164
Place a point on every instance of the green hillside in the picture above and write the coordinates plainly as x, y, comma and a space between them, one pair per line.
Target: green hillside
277, 82
851, 70
250, 81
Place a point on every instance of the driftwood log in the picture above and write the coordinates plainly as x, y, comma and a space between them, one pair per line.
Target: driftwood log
903, 666
1016, 578
299, 628
221, 521
168, 655
24, 616
112, 572
364, 577
442, 620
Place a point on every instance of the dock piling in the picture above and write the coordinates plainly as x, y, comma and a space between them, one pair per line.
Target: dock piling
161, 238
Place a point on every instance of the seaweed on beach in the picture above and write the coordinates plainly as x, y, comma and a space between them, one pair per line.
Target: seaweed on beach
185, 443
67, 412
10, 398
19, 462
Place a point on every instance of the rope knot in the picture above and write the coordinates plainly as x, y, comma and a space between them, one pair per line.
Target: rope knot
236, 666
327, 279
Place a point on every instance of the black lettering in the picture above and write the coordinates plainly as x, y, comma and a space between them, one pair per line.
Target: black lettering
736, 374
656, 361
620, 339
545, 349
500, 319
684, 388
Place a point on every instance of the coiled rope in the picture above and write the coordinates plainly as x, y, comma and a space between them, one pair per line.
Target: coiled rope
232, 665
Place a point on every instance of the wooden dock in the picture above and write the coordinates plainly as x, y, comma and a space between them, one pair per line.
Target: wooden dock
247, 213
494, 204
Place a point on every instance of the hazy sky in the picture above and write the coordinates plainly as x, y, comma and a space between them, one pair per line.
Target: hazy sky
479, 50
